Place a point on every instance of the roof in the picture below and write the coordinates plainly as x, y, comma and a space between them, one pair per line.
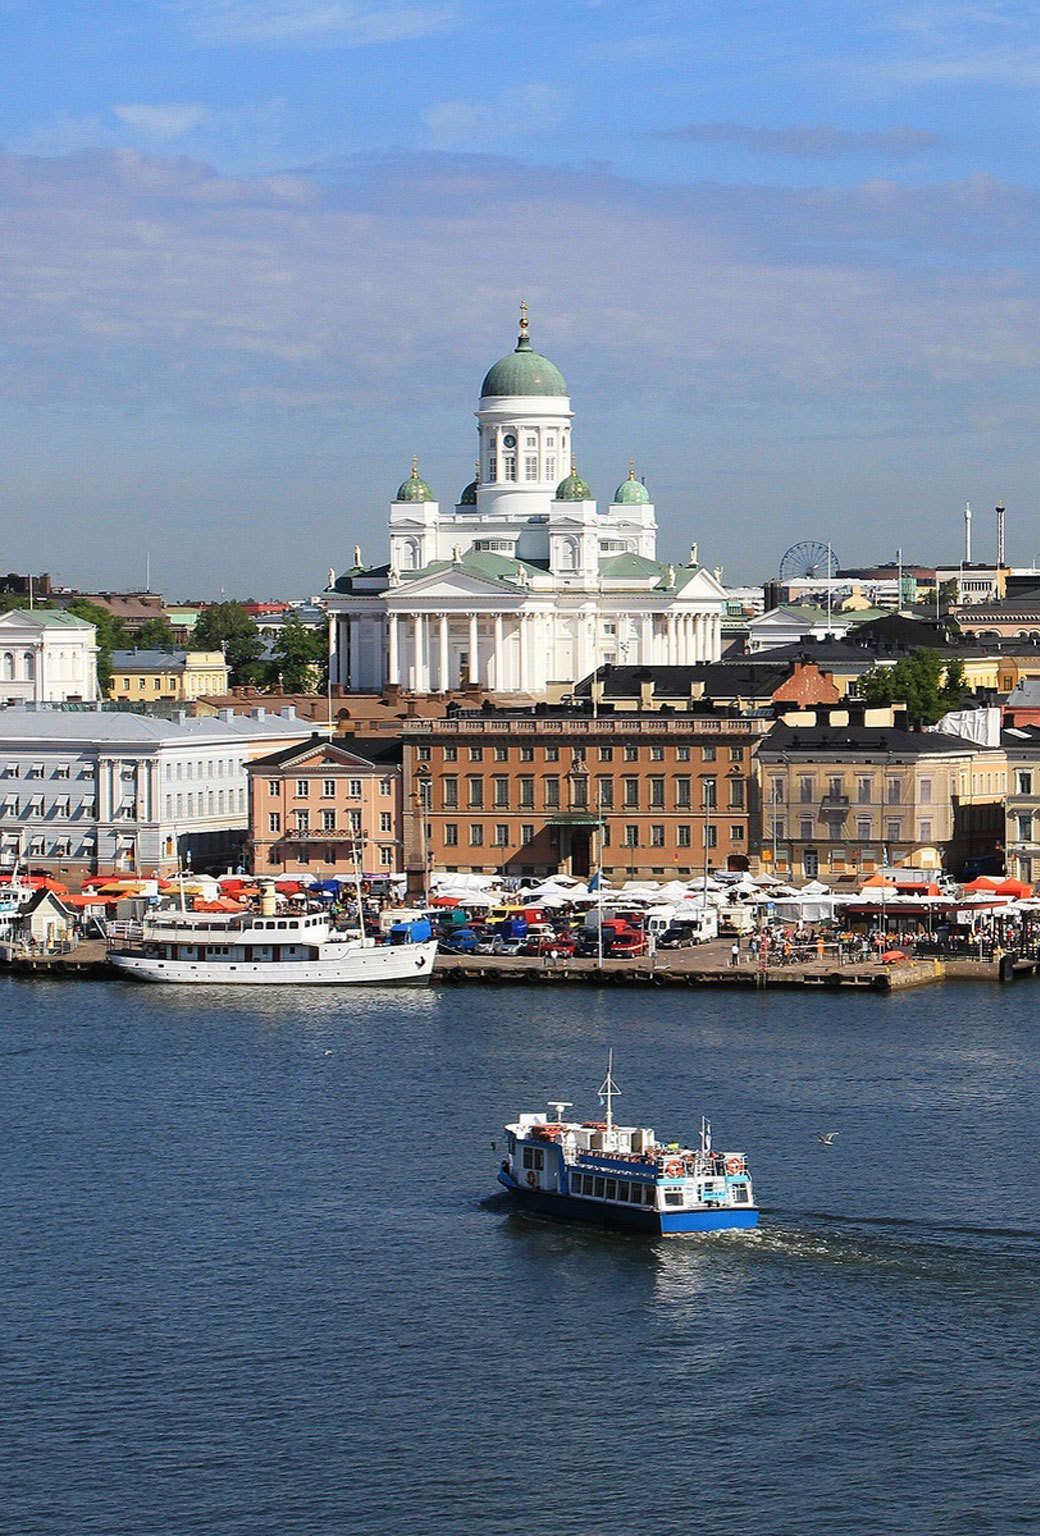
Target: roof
837, 739
47, 618
1025, 695
340, 746
749, 677
148, 661
523, 372
86, 727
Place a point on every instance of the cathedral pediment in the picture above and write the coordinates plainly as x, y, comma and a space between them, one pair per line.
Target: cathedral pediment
450, 586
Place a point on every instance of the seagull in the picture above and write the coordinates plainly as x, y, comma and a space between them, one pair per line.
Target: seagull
328, 1053
826, 1138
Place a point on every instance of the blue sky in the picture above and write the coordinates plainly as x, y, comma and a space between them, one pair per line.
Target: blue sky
256, 253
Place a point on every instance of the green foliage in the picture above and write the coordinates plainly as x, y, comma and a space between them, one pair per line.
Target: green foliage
111, 636
923, 681
155, 635
947, 593
301, 658
227, 627
12, 601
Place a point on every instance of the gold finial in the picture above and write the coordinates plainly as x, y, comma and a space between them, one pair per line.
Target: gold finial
523, 320
415, 466
574, 466
631, 469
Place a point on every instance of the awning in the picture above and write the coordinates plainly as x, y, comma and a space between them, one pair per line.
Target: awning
573, 819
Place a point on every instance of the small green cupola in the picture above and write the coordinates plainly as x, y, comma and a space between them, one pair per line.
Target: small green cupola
523, 371
631, 492
414, 489
573, 488
469, 494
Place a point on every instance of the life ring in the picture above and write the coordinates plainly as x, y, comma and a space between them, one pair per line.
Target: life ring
532, 1178
674, 1169
734, 1165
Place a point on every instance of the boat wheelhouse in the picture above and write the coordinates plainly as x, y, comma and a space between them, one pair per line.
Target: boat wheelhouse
622, 1176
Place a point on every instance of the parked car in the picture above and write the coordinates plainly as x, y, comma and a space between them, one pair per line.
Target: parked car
627, 946
678, 937
462, 942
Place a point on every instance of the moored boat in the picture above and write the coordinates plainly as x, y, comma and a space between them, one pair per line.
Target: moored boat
622, 1176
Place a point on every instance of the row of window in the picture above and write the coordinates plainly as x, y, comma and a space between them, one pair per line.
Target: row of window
25, 666
39, 771
629, 753
865, 830
59, 848
635, 791
328, 787
307, 854
301, 821
208, 768
628, 1191
834, 789
707, 836
208, 802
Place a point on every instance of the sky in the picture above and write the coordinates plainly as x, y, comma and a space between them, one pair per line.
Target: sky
254, 254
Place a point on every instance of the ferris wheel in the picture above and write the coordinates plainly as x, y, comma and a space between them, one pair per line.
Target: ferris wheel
808, 561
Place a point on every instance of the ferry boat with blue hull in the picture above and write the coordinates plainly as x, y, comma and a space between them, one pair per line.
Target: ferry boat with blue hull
622, 1176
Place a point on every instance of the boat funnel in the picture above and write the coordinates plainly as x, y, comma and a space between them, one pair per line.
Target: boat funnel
268, 906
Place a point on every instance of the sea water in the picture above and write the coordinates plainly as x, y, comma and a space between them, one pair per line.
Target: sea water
256, 1279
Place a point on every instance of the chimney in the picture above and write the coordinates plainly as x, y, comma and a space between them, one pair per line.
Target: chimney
1000, 536
646, 693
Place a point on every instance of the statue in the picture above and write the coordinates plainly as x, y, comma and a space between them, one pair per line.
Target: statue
671, 575
357, 556
693, 554
332, 578
456, 554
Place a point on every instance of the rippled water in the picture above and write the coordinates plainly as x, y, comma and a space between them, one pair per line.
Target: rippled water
256, 1280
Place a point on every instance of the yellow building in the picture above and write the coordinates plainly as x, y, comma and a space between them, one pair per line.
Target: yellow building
162, 677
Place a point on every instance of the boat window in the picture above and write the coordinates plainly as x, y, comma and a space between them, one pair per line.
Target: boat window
599, 1189
623, 1189
673, 1197
283, 925
612, 1193
740, 1194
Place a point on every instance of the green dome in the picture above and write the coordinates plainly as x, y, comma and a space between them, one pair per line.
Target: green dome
525, 371
414, 489
469, 495
631, 492
573, 488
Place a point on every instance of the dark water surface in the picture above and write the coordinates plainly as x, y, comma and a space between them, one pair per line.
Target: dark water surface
252, 1282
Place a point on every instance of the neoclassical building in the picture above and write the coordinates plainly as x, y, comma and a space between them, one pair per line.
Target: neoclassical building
524, 585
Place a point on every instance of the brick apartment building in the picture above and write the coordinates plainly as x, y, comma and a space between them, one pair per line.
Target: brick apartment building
536, 793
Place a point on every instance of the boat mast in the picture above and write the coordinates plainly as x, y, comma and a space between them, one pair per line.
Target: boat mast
608, 1090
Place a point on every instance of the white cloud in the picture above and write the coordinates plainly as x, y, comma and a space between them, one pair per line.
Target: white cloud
346, 22
163, 121
520, 113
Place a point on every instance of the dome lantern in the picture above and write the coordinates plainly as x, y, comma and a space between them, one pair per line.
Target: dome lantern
574, 487
631, 492
524, 371
414, 489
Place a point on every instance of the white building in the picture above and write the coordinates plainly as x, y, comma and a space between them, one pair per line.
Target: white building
524, 584
47, 656
92, 791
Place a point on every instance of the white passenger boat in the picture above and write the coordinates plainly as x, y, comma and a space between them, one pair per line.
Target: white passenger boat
246, 949
622, 1176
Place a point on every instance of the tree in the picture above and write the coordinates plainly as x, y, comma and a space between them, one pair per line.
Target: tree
923, 681
300, 656
111, 636
227, 627
155, 635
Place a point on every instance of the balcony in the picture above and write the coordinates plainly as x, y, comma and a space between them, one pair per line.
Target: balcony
832, 803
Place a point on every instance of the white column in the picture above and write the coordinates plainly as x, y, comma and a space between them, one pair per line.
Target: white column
393, 666
417, 652
500, 660
716, 637
474, 649
443, 679
671, 640
646, 640
521, 681
352, 652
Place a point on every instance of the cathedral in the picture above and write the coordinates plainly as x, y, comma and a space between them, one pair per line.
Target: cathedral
524, 585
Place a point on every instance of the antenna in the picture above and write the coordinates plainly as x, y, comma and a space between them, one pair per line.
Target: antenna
1000, 534
967, 533
609, 1090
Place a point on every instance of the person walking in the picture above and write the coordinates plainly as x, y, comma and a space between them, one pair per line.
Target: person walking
734, 954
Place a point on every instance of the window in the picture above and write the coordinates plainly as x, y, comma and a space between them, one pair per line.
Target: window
578, 754
1025, 827
552, 794
736, 794
501, 754
656, 754
683, 799
451, 834
62, 771
710, 791
302, 787
423, 754
302, 818
386, 786
476, 835
501, 835
328, 821
893, 831
864, 828
509, 463
682, 837
386, 821
274, 821
631, 837
354, 789
682, 754
631, 753
708, 754
328, 787
35, 772
606, 754
451, 792
926, 831
736, 754
386, 857
805, 828
1025, 786
711, 837
550, 466
894, 792
776, 791
475, 799
657, 794
863, 790
500, 788
273, 786
526, 754
526, 833
531, 466
605, 793
476, 754
805, 788
777, 829
552, 754
579, 791
657, 835
451, 754
631, 793
736, 833
61, 806
355, 821
527, 793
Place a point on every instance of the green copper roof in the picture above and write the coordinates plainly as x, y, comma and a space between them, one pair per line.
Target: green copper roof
525, 371
469, 495
573, 488
632, 492
414, 489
